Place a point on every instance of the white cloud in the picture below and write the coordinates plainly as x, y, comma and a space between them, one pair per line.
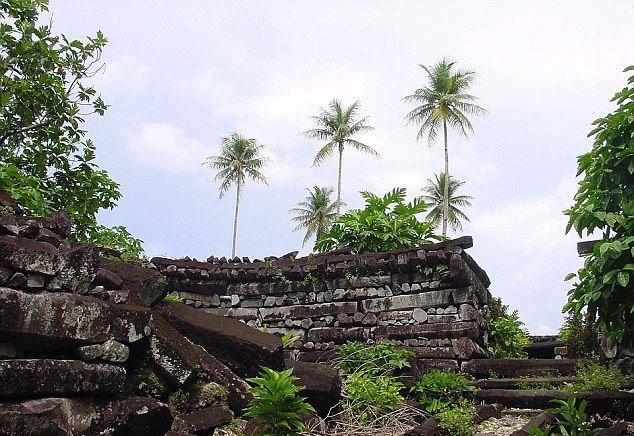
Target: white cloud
167, 148
125, 76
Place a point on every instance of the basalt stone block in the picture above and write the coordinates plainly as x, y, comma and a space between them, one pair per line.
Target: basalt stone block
79, 267
178, 358
481, 368
322, 384
29, 255
246, 314
152, 290
24, 378
433, 331
308, 311
465, 348
240, 347
108, 279
338, 335
433, 352
204, 421
400, 302
109, 351
56, 322
57, 222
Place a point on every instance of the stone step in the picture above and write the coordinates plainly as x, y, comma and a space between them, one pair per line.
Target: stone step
543, 350
598, 402
515, 383
514, 368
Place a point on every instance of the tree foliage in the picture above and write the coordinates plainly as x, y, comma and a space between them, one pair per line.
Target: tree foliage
605, 202
434, 195
46, 161
386, 223
315, 213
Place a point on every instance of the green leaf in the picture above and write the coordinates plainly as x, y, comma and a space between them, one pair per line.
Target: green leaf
623, 278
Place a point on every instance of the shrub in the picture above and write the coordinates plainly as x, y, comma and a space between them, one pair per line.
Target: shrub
386, 223
571, 420
438, 391
580, 336
458, 421
276, 402
508, 337
172, 298
596, 377
497, 309
379, 359
370, 397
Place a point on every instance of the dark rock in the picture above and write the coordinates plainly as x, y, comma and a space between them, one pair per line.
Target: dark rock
85, 416
24, 378
481, 368
35, 281
8, 350
54, 322
7, 201
131, 274
79, 266
8, 225
487, 411
48, 236
152, 290
57, 222
17, 280
540, 421
615, 430
322, 383
107, 279
204, 421
29, 229
430, 427
338, 335
240, 347
28, 255
177, 358
465, 348
109, 351
438, 330
5, 275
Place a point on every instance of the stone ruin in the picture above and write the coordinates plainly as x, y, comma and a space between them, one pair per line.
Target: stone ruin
89, 346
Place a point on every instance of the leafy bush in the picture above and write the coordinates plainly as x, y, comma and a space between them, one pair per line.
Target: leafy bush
379, 359
571, 420
605, 202
276, 402
370, 397
596, 377
508, 337
497, 309
458, 421
172, 298
438, 391
386, 223
580, 336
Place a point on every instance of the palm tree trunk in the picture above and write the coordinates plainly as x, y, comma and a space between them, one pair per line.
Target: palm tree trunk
339, 181
235, 221
445, 195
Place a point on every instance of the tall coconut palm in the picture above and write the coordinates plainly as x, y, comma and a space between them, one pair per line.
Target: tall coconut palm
239, 159
315, 213
444, 102
337, 125
435, 194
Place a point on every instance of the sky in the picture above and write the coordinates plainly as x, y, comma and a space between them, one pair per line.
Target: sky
179, 78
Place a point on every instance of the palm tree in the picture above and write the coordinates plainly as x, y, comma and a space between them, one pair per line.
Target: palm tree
239, 159
435, 192
337, 125
443, 102
315, 213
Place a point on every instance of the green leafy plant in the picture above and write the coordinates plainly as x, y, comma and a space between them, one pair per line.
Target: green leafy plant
508, 337
172, 298
571, 420
386, 223
497, 309
379, 359
605, 202
281, 278
439, 391
580, 336
276, 403
370, 397
288, 339
458, 421
596, 377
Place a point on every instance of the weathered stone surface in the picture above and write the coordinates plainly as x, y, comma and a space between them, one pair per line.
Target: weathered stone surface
8, 350
400, 302
28, 255
49, 237
234, 312
487, 411
322, 383
108, 279
57, 222
618, 429
433, 352
49, 322
540, 421
242, 348
78, 267
307, 311
204, 421
482, 368
109, 351
5, 275
338, 335
17, 280
152, 290
419, 315
177, 358
27, 378
430, 427
465, 348
438, 330
84, 416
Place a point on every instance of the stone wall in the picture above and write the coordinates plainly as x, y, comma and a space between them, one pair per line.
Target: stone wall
430, 299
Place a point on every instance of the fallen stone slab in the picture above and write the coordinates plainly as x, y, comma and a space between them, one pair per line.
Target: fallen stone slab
429, 427
28, 378
28, 255
177, 358
57, 222
540, 421
240, 347
204, 421
322, 384
513, 368
109, 351
56, 322
543, 350
85, 416
108, 279
598, 402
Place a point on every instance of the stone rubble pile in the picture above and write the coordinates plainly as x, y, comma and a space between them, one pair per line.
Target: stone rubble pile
88, 346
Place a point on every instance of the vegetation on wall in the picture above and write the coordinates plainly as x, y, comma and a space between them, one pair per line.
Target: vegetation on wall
46, 161
605, 203
508, 337
580, 336
386, 223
